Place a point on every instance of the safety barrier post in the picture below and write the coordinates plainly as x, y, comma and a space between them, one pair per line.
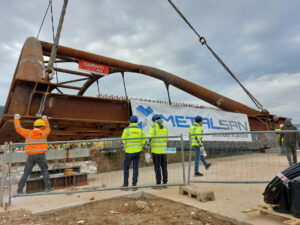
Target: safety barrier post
2, 174
182, 159
9, 161
4, 185
190, 159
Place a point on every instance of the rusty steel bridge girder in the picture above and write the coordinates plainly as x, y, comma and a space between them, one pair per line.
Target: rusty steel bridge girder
80, 117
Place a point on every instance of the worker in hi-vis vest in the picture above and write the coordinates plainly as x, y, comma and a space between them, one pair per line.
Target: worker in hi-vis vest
282, 146
35, 152
158, 146
197, 143
133, 149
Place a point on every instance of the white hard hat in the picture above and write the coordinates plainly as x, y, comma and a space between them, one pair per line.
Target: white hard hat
281, 125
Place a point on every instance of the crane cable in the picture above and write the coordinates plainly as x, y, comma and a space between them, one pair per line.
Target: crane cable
43, 20
53, 36
52, 23
204, 42
49, 69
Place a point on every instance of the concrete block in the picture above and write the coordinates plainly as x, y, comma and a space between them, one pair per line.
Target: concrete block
197, 193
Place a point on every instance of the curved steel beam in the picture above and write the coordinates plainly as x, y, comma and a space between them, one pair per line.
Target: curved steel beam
198, 91
87, 84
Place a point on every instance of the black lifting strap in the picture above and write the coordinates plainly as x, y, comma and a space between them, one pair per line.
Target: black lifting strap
122, 73
203, 42
98, 87
167, 86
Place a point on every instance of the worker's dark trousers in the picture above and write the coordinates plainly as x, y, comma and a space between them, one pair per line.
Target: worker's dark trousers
291, 151
135, 158
39, 159
160, 167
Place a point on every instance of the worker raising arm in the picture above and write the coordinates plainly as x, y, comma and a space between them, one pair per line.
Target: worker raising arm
35, 152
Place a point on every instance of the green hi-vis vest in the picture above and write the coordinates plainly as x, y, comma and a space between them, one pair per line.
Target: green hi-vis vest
196, 140
158, 145
132, 131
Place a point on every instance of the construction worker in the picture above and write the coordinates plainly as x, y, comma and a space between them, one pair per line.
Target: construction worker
197, 143
281, 142
133, 149
290, 141
35, 152
158, 146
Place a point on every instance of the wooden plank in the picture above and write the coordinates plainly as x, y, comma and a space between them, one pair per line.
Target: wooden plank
197, 193
268, 210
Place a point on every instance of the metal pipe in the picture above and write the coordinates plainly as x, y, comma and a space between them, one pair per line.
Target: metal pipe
96, 140
9, 174
73, 72
231, 182
95, 189
49, 69
72, 81
190, 160
187, 86
182, 159
3, 171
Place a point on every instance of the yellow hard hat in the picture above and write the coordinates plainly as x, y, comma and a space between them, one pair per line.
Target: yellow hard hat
39, 123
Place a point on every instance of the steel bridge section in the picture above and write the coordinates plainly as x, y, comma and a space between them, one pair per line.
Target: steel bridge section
80, 117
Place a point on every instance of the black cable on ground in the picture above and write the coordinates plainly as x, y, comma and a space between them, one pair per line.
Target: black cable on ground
275, 187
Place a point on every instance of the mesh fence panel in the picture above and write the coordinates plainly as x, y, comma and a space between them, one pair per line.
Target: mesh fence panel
98, 164
92, 164
258, 160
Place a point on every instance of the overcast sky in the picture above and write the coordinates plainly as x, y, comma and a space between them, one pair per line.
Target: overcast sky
258, 40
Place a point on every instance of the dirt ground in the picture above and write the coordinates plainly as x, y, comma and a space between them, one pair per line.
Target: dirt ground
118, 211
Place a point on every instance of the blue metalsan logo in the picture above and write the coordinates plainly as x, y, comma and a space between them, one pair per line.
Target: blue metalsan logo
187, 121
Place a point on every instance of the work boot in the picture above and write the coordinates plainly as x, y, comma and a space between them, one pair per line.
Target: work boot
134, 188
208, 165
156, 187
20, 191
198, 174
123, 187
49, 189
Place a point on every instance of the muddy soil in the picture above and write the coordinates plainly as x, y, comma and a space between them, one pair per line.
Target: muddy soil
118, 211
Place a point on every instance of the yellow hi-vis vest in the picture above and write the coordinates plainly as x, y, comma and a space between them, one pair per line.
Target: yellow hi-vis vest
134, 145
282, 139
158, 145
196, 140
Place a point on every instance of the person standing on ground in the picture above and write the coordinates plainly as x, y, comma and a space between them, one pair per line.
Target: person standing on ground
133, 149
290, 141
281, 141
158, 146
197, 143
35, 152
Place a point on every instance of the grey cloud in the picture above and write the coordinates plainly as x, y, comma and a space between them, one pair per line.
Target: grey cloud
254, 38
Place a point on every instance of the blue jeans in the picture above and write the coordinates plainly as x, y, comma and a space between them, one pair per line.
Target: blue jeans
39, 159
282, 149
135, 158
198, 157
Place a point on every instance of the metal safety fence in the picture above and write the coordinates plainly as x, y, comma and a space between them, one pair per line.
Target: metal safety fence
97, 165
89, 165
256, 159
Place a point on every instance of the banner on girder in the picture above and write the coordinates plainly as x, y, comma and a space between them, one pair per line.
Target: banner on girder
179, 118
93, 67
